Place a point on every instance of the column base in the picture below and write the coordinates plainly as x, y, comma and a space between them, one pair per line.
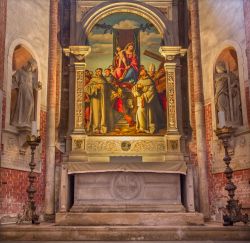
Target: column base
173, 142
79, 131
50, 218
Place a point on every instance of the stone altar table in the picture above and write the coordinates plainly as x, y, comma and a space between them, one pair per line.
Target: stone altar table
138, 193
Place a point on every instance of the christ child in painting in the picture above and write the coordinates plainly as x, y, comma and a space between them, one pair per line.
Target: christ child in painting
127, 72
120, 55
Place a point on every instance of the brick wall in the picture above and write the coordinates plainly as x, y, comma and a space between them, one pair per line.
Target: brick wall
14, 183
217, 193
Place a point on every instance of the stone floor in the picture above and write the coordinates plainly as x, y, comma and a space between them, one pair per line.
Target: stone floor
208, 241
45, 232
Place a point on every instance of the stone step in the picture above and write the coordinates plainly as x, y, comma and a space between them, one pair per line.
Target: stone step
169, 208
127, 241
50, 232
128, 219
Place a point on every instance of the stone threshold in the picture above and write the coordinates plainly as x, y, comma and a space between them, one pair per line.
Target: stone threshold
51, 232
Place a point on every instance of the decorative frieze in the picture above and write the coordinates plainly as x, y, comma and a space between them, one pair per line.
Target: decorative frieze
99, 145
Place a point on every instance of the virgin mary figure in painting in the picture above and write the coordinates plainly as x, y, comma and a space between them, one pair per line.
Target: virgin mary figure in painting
126, 64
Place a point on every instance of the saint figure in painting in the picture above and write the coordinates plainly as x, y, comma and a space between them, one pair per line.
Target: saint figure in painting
149, 112
96, 89
111, 88
126, 67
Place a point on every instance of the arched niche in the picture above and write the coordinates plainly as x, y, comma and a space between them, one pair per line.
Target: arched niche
148, 12
227, 91
20, 53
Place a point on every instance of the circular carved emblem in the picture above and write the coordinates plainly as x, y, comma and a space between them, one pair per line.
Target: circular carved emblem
125, 145
126, 186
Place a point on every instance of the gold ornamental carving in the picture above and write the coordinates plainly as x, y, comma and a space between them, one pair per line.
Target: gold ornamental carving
78, 143
125, 145
117, 146
79, 94
173, 145
149, 146
171, 96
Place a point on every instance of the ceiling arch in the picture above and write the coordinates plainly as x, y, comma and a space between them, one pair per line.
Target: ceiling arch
153, 15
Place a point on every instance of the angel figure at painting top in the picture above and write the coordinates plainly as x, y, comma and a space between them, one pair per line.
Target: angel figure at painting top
24, 82
222, 102
149, 112
126, 64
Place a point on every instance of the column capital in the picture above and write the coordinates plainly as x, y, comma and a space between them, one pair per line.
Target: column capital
79, 52
170, 65
172, 52
79, 65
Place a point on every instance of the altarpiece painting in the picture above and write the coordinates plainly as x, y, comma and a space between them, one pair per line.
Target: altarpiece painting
125, 83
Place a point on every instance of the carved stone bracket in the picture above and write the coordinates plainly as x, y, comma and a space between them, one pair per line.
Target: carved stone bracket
171, 53
79, 52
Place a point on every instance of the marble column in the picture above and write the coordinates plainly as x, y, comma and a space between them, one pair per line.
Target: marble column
247, 26
3, 18
64, 190
72, 68
199, 108
51, 114
172, 55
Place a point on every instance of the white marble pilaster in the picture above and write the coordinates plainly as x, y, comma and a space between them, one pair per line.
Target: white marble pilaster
172, 55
